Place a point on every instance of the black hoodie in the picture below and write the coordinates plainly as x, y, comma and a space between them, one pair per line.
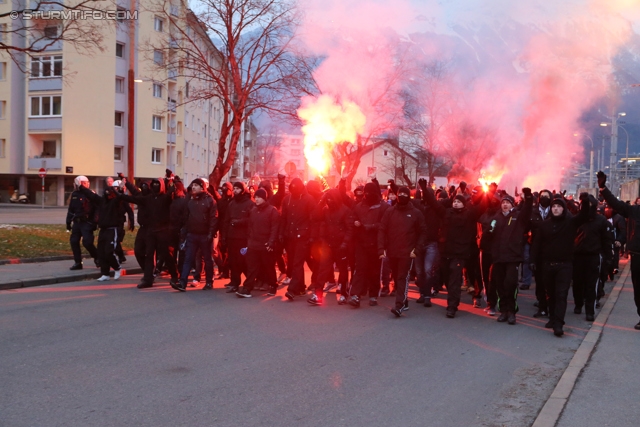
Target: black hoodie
333, 224
297, 208
593, 236
236, 219
157, 204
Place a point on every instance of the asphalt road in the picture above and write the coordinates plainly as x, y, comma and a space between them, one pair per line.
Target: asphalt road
92, 354
32, 215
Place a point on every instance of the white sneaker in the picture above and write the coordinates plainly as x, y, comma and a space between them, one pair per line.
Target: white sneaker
286, 281
117, 274
104, 278
342, 300
195, 284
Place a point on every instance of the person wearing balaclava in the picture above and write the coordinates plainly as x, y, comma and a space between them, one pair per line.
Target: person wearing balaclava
540, 213
509, 228
81, 223
295, 233
331, 233
619, 226
486, 243
593, 249
401, 234
140, 244
234, 233
221, 256
158, 238
458, 228
628, 212
554, 247
367, 216
109, 220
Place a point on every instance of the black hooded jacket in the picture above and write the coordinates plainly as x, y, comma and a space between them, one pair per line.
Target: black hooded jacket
200, 215
236, 219
554, 240
264, 225
627, 211
158, 205
370, 216
110, 207
402, 230
593, 236
332, 224
297, 209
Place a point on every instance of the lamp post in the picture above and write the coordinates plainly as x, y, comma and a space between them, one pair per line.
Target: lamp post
131, 97
590, 159
613, 158
626, 165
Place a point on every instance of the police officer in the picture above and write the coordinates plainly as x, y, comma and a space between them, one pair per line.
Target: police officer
81, 223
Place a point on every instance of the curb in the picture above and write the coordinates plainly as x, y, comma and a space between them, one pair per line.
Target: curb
553, 408
51, 280
46, 259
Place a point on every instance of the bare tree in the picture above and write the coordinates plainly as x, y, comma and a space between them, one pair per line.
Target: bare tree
257, 64
399, 165
268, 147
41, 25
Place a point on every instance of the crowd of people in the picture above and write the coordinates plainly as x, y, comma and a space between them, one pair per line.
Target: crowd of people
485, 242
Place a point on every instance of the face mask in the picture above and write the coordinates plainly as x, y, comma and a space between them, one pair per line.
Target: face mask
403, 200
332, 204
545, 202
371, 198
155, 187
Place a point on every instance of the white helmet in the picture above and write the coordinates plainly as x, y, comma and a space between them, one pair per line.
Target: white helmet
79, 180
117, 183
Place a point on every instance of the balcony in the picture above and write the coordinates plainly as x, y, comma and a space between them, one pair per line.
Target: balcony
45, 124
47, 83
171, 138
171, 106
172, 73
44, 162
44, 43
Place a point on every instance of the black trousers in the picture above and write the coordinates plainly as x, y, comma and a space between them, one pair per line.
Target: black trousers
474, 274
260, 266
157, 242
505, 278
635, 279
366, 278
325, 257
221, 259
452, 272
237, 261
297, 254
541, 288
140, 246
557, 279
486, 260
107, 241
586, 277
82, 230
119, 250
401, 269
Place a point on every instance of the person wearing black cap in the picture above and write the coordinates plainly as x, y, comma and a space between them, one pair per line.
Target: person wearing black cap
401, 234
234, 233
540, 213
509, 230
553, 246
367, 216
633, 213
200, 223
295, 232
458, 229
262, 233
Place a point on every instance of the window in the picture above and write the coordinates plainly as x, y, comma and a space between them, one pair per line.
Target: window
157, 123
385, 153
3, 70
119, 119
186, 119
179, 158
179, 128
46, 66
158, 24
157, 90
119, 84
117, 153
186, 90
51, 32
295, 152
120, 50
3, 109
204, 131
46, 106
193, 122
158, 57
121, 13
156, 155
48, 149
3, 31
186, 149
3, 148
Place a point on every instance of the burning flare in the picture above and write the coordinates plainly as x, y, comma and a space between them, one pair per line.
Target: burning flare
327, 124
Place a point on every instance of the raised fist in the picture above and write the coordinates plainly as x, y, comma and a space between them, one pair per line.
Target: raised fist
422, 183
526, 191
602, 179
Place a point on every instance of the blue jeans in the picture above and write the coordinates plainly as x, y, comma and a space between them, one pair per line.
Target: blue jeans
195, 242
431, 262
524, 278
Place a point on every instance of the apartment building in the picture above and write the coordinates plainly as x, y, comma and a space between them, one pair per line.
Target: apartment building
69, 113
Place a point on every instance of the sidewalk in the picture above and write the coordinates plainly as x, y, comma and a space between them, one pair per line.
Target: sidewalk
606, 393
13, 276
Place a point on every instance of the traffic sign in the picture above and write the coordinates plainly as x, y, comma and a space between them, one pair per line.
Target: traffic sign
42, 172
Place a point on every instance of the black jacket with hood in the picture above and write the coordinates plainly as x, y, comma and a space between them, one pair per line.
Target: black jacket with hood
200, 215
297, 208
402, 230
264, 225
370, 216
158, 205
109, 207
332, 224
594, 237
510, 233
236, 219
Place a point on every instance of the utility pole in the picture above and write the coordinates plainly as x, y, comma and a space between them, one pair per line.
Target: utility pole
131, 97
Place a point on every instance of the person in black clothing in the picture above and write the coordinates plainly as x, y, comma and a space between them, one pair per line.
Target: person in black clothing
295, 232
593, 244
367, 216
234, 233
262, 234
540, 213
331, 234
81, 223
401, 234
509, 227
200, 223
486, 260
620, 237
140, 244
158, 237
275, 200
629, 212
221, 256
127, 214
109, 221
176, 219
458, 229
553, 246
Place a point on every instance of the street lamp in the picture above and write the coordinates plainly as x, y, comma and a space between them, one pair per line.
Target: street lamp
613, 158
590, 159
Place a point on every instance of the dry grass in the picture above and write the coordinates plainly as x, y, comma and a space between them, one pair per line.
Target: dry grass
31, 241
